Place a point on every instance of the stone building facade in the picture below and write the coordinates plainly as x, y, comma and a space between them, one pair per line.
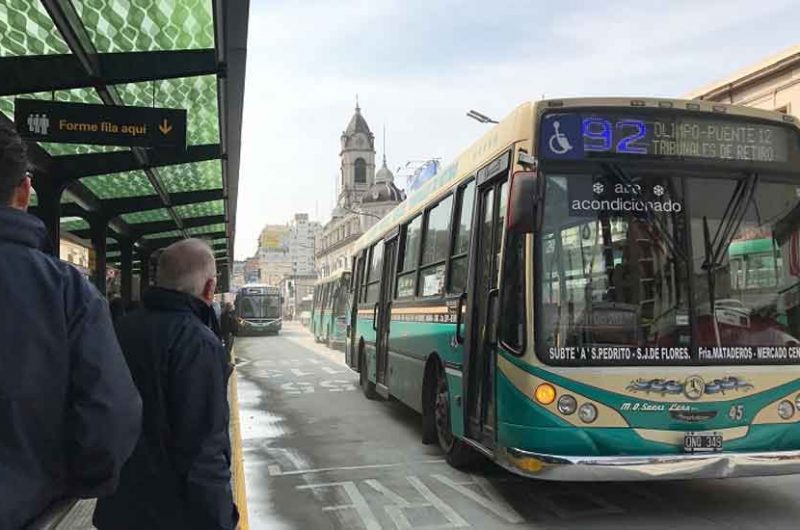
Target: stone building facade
773, 84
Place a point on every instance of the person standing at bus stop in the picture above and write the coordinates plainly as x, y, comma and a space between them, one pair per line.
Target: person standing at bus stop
179, 475
70, 414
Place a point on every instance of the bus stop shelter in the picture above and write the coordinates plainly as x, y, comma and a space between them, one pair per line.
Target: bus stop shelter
128, 202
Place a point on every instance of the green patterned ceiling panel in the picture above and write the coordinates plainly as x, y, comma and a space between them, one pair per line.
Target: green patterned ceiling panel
160, 235
26, 29
34, 198
201, 209
144, 25
113, 254
70, 224
147, 216
199, 230
192, 177
77, 95
198, 95
78, 149
119, 185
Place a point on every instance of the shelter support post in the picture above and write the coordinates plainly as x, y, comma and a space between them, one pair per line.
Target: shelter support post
99, 229
126, 266
48, 210
144, 272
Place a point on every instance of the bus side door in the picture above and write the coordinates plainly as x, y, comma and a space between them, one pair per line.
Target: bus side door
385, 308
492, 196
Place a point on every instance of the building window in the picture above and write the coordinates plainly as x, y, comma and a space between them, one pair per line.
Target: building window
361, 171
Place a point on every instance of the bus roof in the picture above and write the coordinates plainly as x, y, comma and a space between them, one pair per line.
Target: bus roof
333, 277
268, 289
518, 126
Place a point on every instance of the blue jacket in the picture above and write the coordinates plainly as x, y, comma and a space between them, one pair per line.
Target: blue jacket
179, 475
69, 412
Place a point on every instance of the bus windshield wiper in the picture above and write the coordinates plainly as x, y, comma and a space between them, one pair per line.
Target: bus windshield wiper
728, 227
658, 224
729, 223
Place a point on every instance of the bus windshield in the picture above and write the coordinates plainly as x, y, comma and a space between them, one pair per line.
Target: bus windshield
655, 267
259, 306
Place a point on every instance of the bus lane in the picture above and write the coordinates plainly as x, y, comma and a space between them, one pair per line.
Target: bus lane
319, 455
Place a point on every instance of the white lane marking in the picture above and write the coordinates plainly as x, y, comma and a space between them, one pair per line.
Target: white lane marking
396, 511
333, 371
277, 472
298, 387
274, 469
450, 514
491, 501
338, 385
357, 502
300, 373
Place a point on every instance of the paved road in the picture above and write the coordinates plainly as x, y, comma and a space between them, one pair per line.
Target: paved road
318, 455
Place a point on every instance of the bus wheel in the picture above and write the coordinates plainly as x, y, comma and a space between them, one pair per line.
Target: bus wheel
457, 453
367, 387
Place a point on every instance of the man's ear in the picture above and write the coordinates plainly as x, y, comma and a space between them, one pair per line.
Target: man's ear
22, 195
208, 290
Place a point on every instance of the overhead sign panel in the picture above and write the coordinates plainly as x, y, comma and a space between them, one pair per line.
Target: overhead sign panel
582, 135
78, 123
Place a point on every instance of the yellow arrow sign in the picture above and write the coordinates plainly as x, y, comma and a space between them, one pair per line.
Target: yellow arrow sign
165, 127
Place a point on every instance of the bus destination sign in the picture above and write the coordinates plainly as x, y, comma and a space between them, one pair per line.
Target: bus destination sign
577, 136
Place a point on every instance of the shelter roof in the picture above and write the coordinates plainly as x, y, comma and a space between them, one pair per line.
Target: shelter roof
184, 54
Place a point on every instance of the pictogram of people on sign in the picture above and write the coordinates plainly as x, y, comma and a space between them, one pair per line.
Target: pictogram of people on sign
38, 123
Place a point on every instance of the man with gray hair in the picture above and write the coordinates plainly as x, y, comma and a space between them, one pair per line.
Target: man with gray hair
179, 474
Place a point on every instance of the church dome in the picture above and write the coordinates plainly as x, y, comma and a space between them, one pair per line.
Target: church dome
384, 174
383, 192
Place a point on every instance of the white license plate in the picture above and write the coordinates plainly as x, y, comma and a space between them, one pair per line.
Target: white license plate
702, 442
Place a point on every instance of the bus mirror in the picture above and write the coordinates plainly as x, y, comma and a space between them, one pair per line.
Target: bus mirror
522, 202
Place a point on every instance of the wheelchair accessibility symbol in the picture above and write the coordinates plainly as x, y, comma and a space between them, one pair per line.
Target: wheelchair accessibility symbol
559, 143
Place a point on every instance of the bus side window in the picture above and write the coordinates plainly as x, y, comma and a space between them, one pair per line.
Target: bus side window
435, 248
462, 228
409, 259
374, 274
364, 276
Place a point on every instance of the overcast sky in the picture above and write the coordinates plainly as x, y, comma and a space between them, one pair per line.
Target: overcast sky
419, 65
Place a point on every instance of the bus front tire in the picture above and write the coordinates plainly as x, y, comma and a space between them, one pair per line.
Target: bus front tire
367, 387
457, 453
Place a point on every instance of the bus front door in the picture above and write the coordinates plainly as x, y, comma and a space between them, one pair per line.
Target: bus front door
385, 313
481, 358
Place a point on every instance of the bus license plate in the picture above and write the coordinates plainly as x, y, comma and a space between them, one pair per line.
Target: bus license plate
702, 442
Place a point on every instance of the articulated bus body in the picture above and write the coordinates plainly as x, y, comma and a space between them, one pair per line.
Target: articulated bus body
259, 310
597, 289
329, 311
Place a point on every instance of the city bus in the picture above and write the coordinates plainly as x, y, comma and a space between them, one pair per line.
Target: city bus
570, 296
329, 311
259, 310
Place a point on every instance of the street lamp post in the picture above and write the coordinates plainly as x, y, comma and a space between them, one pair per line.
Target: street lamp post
477, 116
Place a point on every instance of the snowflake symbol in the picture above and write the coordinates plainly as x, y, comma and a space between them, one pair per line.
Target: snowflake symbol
658, 190
598, 188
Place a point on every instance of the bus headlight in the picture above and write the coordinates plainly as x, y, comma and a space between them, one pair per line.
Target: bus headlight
785, 409
567, 404
545, 393
587, 413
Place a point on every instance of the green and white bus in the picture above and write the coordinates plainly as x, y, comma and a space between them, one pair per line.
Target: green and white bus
329, 310
569, 297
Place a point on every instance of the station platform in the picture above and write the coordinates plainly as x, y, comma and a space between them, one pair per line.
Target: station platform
78, 516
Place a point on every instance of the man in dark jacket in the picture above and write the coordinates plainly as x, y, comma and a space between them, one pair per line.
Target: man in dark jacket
179, 474
69, 412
